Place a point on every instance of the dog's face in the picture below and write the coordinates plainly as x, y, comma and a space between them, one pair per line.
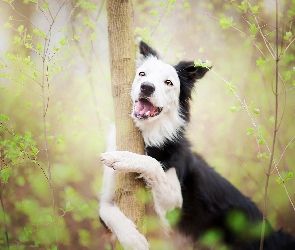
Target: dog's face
161, 94
155, 90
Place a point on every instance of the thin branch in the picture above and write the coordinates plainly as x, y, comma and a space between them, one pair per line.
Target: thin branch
244, 34
267, 44
23, 16
248, 12
292, 139
277, 59
45, 107
23, 151
1, 200
291, 42
287, 90
49, 35
159, 19
69, 17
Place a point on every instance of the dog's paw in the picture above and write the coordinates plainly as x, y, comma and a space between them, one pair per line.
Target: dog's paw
128, 162
133, 240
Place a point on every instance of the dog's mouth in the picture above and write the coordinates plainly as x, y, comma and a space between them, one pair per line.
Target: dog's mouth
144, 109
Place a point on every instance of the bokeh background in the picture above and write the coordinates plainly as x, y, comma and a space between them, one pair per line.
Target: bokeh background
55, 84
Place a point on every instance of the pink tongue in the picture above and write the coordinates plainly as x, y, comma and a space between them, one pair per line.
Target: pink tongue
143, 106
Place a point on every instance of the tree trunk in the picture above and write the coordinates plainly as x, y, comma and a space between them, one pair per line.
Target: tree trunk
122, 64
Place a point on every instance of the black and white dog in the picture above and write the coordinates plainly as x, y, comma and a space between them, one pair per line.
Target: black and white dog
178, 178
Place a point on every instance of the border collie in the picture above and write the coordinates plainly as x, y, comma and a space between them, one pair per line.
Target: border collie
177, 177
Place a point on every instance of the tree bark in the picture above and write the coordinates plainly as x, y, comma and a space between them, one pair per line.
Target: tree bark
122, 64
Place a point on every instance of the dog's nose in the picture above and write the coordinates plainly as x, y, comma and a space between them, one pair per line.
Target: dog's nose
147, 88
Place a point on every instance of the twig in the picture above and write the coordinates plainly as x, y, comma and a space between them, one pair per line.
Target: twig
244, 34
277, 59
1, 200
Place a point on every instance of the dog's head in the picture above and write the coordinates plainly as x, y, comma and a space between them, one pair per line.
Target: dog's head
161, 95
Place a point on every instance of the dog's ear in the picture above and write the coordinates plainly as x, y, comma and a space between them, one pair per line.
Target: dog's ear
189, 71
146, 50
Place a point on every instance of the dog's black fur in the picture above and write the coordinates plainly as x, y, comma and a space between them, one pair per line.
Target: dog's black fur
210, 202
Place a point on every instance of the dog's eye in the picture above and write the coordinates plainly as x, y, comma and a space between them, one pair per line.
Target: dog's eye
168, 83
141, 74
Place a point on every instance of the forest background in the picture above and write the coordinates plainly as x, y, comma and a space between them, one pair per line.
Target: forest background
56, 108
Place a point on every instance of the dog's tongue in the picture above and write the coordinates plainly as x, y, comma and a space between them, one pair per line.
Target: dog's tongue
143, 108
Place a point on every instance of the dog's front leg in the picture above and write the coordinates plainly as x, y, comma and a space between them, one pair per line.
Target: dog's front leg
165, 185
115, 220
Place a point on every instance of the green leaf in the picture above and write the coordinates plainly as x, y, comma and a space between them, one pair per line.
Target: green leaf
87, 5
278, 180
199, 63
60, 140
55, 48
27, 60
69, 207
288, 76
39, 47
231, 88
255, 9
260, 62
48, 218
63, 41
272, 120
39, 33
154, 13
85, 207
288, 35
285, 177
7, 25
262, 155
256, 111
45, 6
16, 39
20, 29
243, 6
35, 150
253, 29
290, 175
250, 131
173, 216
186, 5
235, 108
5, 174
27, 231
4, 117
226, 22
28, 45
93, 36
4, 75
54, 247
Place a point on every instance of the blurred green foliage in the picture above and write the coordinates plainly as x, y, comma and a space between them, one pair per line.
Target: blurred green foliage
56, 106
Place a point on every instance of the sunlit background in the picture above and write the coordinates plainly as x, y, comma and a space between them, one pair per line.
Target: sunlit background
55, 84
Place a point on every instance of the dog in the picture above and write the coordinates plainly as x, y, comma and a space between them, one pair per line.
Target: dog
178, 177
